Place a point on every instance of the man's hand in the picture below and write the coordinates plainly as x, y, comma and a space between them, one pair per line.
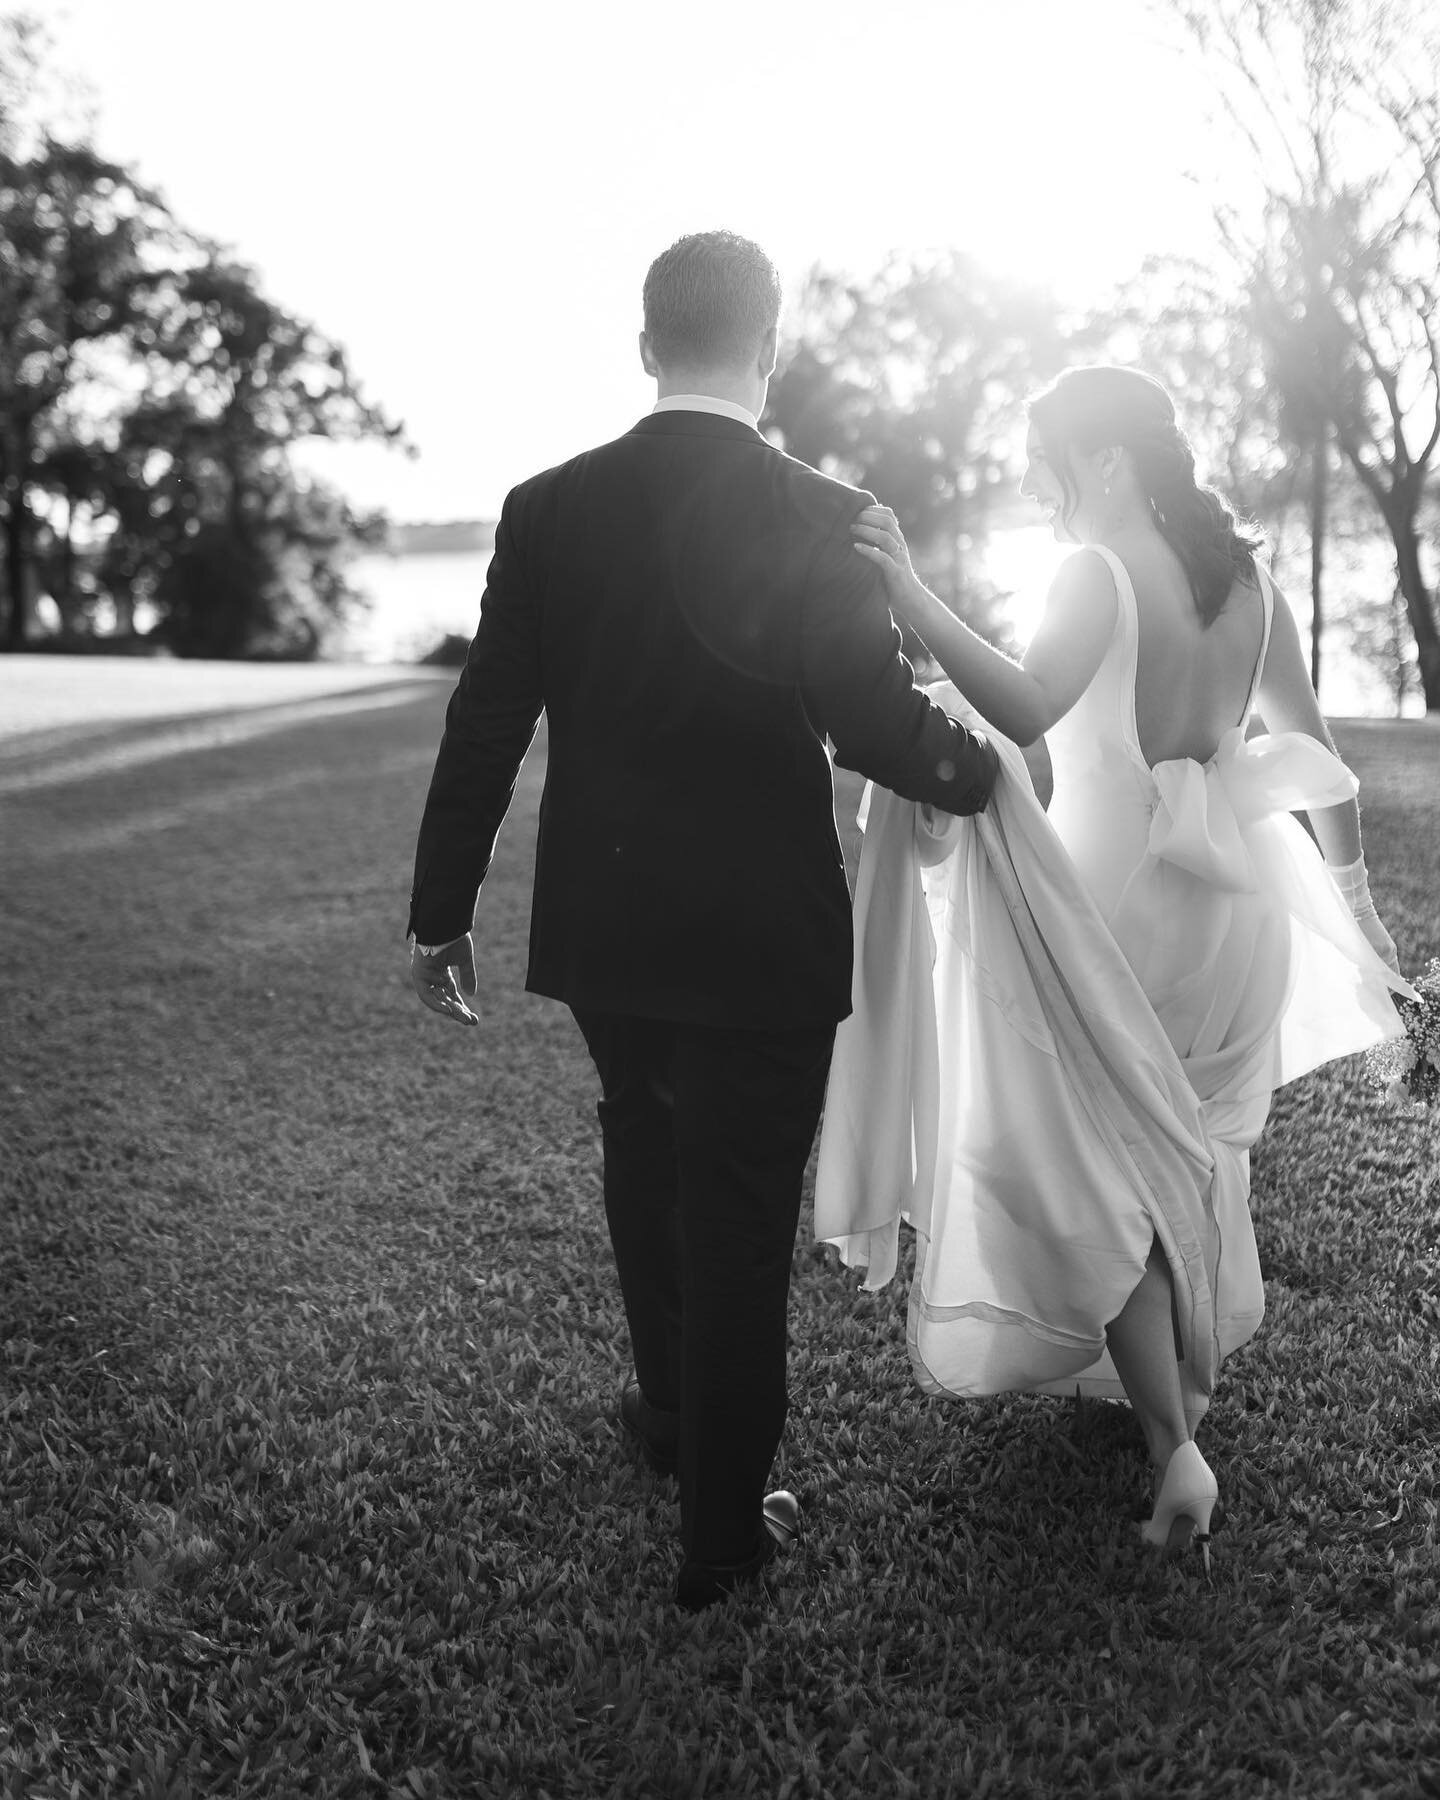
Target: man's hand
439, 978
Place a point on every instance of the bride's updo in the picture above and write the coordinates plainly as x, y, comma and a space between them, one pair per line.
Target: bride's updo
1091, 409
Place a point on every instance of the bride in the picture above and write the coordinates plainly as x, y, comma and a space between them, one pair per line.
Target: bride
1058, 1062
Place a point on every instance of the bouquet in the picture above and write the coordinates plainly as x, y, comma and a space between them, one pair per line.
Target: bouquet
1408, 1068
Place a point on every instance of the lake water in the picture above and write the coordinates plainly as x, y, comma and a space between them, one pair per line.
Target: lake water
419, 599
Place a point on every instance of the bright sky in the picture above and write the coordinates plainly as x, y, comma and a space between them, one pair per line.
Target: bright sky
466, 194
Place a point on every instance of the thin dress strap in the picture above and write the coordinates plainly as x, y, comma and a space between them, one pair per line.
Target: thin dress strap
1127, 636
1267, 609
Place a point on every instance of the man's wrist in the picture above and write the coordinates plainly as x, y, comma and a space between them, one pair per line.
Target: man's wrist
435, 949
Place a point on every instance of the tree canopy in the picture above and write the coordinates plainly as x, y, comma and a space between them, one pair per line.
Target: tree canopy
151, 396
906, 384
1337, 269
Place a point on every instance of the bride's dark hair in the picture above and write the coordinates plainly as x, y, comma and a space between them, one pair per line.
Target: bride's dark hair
1089, 409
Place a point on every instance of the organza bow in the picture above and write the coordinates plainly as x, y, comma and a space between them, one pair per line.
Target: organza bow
1202, 809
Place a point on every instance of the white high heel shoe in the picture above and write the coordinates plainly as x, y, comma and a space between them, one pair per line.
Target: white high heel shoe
1189, 1491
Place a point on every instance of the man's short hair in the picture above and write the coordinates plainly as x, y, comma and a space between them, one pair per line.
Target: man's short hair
709, 300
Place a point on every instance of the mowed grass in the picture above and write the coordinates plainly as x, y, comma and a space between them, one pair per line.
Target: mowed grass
310, 1342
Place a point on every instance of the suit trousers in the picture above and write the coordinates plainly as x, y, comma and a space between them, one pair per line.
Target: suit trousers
706, 1133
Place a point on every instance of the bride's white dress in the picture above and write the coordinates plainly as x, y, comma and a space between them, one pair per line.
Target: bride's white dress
1067, 1030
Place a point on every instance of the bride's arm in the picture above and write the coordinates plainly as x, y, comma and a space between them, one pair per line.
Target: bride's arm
1022, 699
1286, 702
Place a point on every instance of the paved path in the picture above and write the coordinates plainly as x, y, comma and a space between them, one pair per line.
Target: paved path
92, 693
64, 719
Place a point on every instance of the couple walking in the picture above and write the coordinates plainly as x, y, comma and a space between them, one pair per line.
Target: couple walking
1058, 1035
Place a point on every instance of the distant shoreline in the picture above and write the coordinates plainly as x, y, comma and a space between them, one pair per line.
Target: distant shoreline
447, 537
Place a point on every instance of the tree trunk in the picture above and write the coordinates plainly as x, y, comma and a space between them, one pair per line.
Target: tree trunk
1419, 601
1319, 497
61, 571
1399, 506
16, 519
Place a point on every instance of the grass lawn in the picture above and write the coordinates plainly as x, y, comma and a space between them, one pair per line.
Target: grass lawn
309, 1345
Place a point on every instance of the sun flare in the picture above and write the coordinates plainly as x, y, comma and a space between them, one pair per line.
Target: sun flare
1023, 560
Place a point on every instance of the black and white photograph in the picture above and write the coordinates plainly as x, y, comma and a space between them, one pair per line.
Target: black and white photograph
720, 900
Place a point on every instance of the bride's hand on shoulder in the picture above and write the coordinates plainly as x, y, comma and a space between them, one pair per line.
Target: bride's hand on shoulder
879, 539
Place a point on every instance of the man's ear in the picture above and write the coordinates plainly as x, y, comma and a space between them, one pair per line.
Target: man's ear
769, 352
1110, 460
647, 356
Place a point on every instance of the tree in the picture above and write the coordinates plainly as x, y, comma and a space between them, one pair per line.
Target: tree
20, 63
1377, 630
245, 555
1336, 101
1183, 323
1245, 391
1308, 360
36, 99
74, 473
76, 239
910, 384
150, 396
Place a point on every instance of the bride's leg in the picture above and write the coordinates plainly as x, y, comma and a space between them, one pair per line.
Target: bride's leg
1142, 1347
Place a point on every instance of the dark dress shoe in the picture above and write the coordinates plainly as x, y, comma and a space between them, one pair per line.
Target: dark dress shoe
703, 1584
656, 1432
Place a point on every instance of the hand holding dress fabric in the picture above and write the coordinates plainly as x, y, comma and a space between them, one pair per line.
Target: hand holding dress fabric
1097, 1001
1054, 1058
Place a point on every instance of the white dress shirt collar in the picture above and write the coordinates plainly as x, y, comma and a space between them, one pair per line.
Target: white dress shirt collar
707, 403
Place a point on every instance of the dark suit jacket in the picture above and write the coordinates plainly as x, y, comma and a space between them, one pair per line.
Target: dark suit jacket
686, 607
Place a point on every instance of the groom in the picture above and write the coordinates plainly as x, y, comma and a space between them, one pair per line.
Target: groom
685, 607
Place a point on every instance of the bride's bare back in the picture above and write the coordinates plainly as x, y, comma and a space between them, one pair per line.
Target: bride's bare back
1192, 680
